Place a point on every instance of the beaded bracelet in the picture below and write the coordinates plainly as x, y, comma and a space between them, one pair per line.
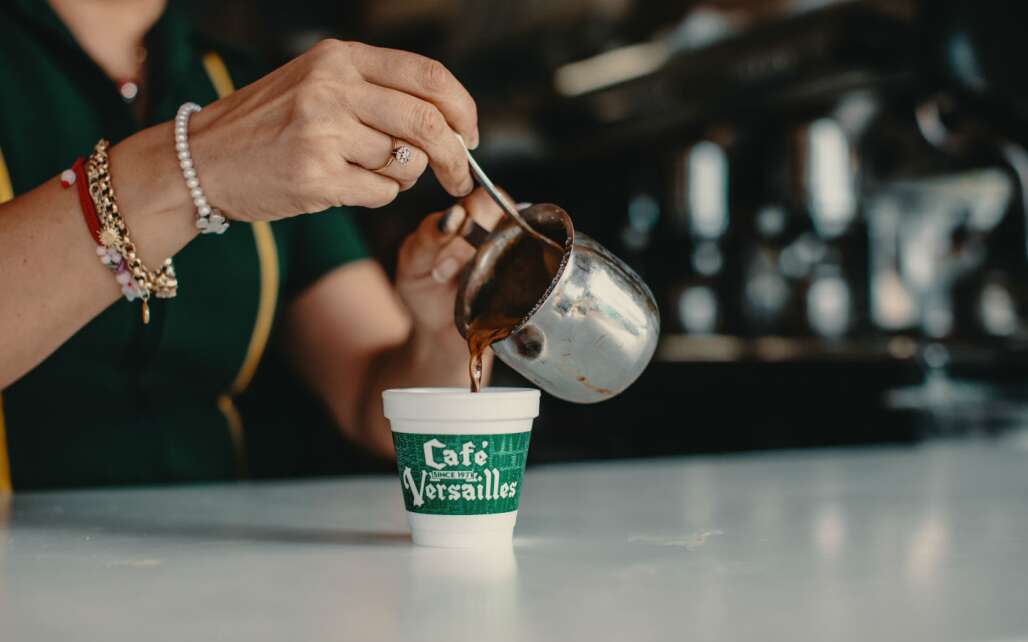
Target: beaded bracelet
114, 238
110, 258
209, 220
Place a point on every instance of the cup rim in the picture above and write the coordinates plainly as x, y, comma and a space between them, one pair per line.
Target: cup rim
426, 404
455, 392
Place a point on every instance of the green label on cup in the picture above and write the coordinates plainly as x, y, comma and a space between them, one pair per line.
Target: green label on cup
461, 474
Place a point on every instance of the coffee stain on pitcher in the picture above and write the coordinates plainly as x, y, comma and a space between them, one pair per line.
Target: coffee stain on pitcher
584, 380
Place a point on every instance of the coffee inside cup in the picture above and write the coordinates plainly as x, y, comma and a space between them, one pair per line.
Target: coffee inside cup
509, 277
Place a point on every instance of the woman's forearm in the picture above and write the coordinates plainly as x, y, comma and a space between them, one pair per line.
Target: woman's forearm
419, 362
51, 281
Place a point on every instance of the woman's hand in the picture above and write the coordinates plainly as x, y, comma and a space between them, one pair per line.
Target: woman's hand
430, 260
319, 131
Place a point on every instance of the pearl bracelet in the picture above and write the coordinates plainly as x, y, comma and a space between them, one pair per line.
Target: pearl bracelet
209, 220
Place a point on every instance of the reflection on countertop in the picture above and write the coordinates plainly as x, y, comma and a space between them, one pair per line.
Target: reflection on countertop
893, 543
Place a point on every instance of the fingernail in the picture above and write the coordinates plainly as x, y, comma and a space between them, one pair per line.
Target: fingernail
445, 270
451, 221
474, 142
523, 205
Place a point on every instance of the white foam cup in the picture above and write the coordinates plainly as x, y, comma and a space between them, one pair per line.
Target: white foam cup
461, 458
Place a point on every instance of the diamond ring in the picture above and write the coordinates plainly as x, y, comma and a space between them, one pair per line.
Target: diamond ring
401, 154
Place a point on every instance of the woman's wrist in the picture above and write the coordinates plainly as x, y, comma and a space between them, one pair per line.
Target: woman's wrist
151, 193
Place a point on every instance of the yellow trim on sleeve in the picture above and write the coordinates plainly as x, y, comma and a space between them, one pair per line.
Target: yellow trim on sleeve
6, 194
6, 487
6, 190
267, 256
218, 73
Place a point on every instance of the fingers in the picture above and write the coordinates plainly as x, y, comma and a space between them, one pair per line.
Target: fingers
437, 248
484, 209
366, 146
422, 77
373, 150
363, 188
433, 250
420, 249
453, 256
451, 261
476, 211
410, 118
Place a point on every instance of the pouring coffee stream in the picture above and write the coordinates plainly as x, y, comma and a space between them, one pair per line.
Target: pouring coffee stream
518, 279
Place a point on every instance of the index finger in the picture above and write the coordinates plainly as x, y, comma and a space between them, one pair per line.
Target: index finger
423, 77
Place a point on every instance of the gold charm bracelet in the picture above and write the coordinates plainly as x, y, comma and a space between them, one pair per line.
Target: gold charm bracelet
137, 281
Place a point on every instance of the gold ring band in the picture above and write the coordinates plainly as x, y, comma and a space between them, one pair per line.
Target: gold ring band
393, 146
387, 164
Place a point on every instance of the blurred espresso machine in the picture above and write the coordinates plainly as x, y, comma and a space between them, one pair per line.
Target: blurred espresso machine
829, 199
827, 196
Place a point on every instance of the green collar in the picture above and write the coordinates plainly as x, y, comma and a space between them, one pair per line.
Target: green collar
41, 14
169, 44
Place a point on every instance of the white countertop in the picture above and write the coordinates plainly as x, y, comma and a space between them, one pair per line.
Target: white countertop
925, 543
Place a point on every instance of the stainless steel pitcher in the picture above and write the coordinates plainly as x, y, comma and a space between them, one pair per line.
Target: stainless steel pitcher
595, 328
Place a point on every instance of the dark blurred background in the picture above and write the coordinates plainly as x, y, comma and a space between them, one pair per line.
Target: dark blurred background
828, 198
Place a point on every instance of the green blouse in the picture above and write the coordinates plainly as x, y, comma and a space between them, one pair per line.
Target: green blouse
194, 395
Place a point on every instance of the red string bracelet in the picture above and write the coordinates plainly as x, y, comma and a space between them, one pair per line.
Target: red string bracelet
85, 200
110, 257
111, 254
